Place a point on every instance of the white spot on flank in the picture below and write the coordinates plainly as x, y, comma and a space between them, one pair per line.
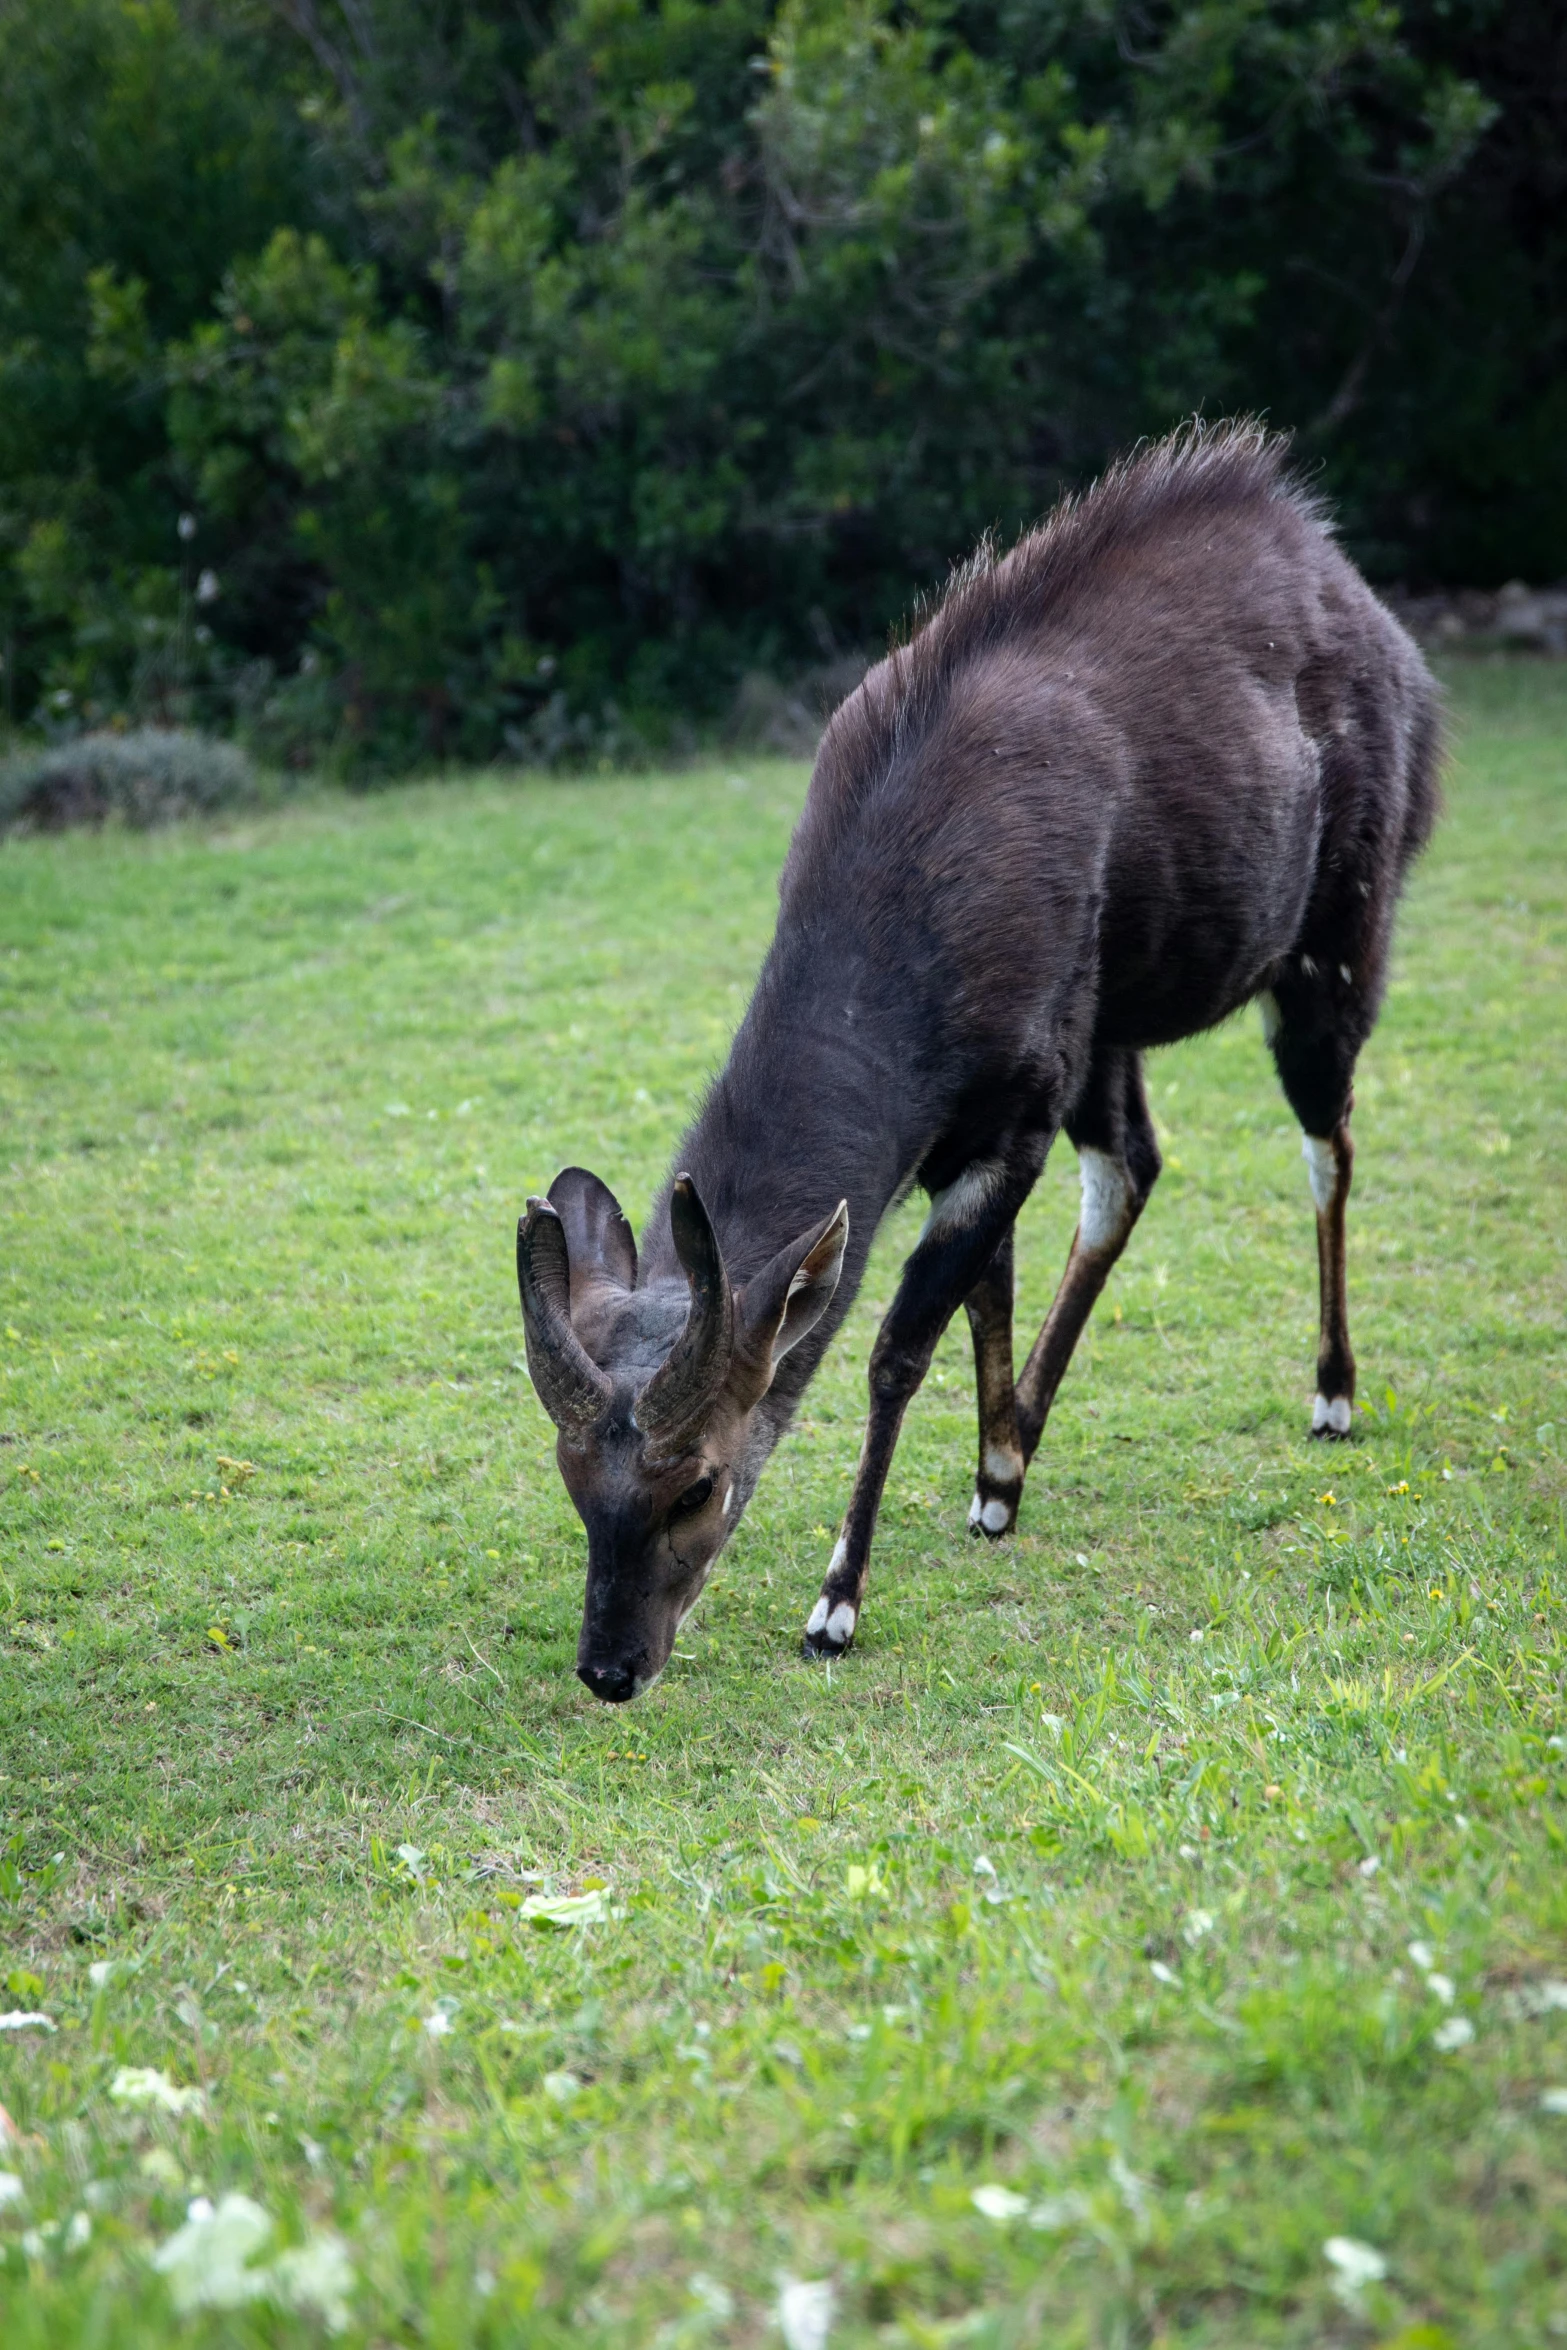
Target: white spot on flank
1006, 1467
962, 1202
1106, 1197
1334, 1415
817, 1617
1272, 1017
993, 1516
1321, 1168
840, 1624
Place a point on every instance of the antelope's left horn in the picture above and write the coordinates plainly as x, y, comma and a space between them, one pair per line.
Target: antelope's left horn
673, 1407
566, 1379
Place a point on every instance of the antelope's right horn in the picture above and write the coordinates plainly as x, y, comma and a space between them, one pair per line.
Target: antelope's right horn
566, 1379
675, 1403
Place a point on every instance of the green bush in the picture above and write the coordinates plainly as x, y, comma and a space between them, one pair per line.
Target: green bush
407, 382
150, 776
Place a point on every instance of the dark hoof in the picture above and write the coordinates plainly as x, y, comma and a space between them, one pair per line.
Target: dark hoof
830, 1628
993, 1514
1331, 1417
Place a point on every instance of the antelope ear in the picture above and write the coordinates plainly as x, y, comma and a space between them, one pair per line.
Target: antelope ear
599, 1247
789, 1296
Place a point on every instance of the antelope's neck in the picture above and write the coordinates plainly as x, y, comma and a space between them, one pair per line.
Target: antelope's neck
812, 1108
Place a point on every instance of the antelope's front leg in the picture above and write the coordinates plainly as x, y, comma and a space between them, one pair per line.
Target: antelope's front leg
961, 1235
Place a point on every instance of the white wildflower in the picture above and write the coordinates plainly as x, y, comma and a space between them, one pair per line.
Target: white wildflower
998, 2203
562, 2087
1198, 1923
13, 2191
207, 590
25, 2019
1370, 1865
144, 2084
438, 2023
79, 2232
1542, 1998
207, 2261
805, 2312
1355, 2265
1164, 1974
1553, 2100
1456, 2033
1423, 1956
1441, 1987
210, 2263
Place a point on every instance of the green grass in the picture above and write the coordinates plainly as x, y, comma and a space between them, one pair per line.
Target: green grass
1092, 1874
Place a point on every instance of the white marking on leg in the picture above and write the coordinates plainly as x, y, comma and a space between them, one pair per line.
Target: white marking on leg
1333, 1416
840, 1551
840, 1624
1272, 1017
1106, 1198
994, 1516
1346, 975
1321, 1168
974, 1508
962, 1202
818, 1616
1005, 1466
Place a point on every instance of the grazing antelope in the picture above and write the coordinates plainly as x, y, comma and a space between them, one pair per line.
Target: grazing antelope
1167, 756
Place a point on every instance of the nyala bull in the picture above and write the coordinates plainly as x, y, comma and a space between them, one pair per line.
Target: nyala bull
1167, 756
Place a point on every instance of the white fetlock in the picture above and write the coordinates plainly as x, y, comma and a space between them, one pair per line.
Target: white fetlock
1330, 1418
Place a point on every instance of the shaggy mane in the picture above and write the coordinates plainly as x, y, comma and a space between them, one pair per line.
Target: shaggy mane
1197, 472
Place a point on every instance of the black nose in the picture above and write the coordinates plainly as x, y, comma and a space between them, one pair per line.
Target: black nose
614, 1683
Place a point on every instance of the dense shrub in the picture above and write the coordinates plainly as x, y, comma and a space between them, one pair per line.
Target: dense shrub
149, 776
526, 378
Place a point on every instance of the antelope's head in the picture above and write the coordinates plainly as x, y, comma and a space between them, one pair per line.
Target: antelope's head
654, 1390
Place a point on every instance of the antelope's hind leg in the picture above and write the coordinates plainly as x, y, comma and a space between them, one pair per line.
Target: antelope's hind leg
1113, 1136
998, 1482
1315, 1053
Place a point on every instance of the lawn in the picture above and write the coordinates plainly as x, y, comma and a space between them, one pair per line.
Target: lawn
1144, 1906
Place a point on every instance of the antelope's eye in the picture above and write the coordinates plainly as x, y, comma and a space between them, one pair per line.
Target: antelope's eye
694, 1498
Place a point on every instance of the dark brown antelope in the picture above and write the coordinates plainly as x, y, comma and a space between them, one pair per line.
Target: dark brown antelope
1168, 755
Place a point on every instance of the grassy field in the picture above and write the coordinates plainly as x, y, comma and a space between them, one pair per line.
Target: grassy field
1143, 1907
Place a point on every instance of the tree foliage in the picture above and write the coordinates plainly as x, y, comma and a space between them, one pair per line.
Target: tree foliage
527, 374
